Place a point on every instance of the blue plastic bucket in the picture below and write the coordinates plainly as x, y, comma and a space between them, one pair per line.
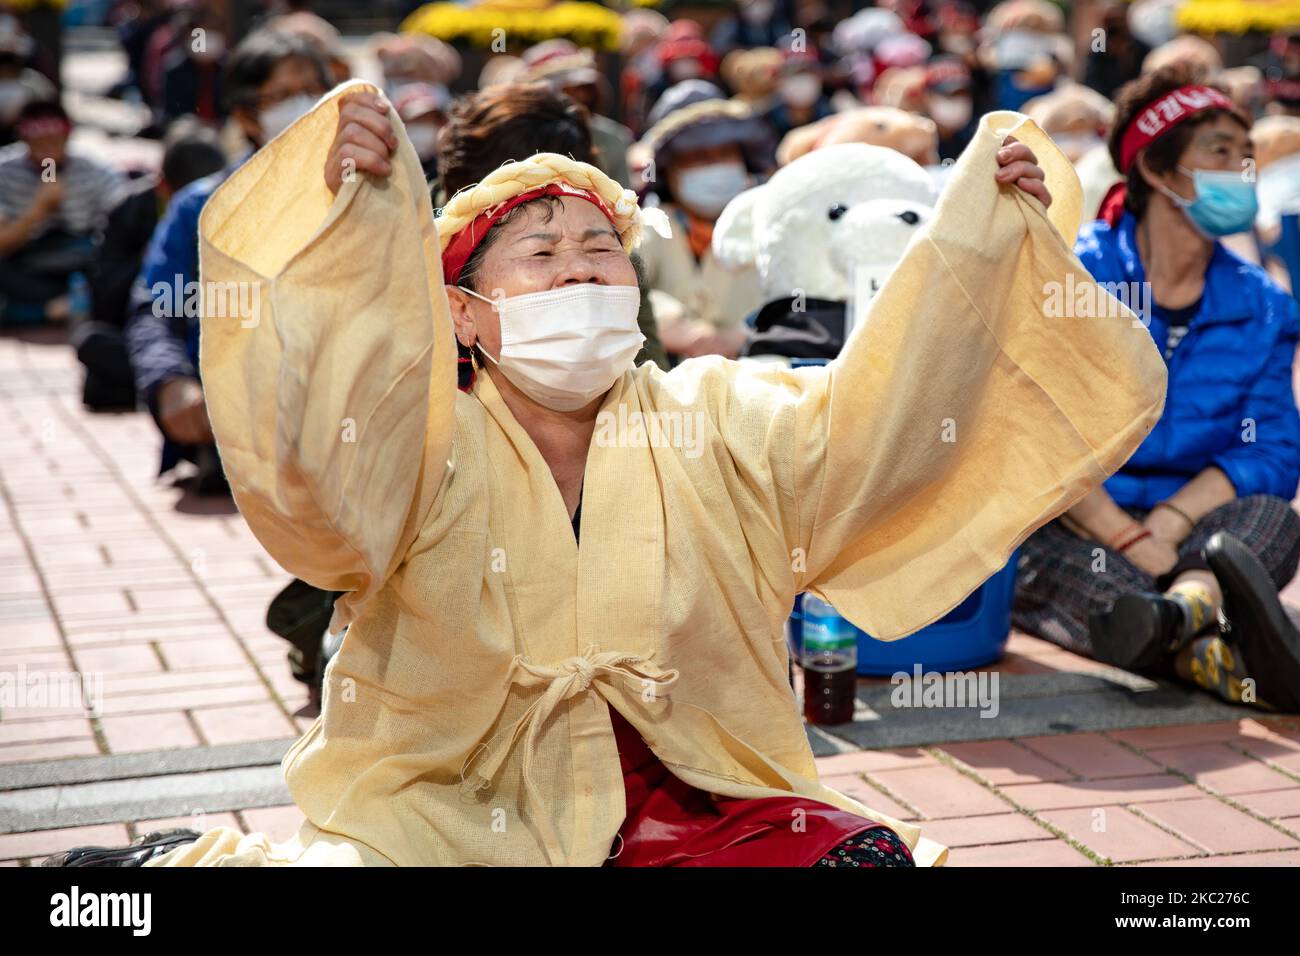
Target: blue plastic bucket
973, 634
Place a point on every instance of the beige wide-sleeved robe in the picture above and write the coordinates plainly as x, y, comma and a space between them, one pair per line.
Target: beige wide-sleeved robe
466, 716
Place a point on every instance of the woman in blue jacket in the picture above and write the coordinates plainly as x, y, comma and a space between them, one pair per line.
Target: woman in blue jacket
1175, 563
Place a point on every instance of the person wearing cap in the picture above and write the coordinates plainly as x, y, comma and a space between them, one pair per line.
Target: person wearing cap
54, 202
755, 23
423, 109
642, 69
1023, 48
684, 54
565, 637
320, 33
1077, 118
950, 103
572, 71
415, 58
1189, 52
1175, 564
190, 68
1113, 63
705, 151
800, 98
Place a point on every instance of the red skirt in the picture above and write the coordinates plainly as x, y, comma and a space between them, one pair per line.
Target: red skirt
670, 823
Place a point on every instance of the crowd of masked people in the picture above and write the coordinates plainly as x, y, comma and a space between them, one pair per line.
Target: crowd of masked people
1190, 169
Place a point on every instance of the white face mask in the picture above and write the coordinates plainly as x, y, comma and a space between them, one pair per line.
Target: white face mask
13, 97
951, 112
424, 137
565, 347
1075, 145
706, 190
279, 117
801, 90
684, 69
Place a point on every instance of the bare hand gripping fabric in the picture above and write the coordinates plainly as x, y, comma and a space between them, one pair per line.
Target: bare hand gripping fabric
466, 717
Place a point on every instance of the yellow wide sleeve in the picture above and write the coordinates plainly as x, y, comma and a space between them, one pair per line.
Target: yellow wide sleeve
331, 386
968, 408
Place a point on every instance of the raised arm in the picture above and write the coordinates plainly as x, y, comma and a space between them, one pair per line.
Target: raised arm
962, 413
327, 353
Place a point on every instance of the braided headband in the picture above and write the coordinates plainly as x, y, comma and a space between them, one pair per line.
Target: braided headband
469, 214
1165, 114
463, 244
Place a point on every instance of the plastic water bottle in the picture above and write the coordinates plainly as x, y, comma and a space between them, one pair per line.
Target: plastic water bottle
830, 663
79, 296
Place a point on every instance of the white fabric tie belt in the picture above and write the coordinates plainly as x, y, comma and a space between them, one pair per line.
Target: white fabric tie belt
564, 680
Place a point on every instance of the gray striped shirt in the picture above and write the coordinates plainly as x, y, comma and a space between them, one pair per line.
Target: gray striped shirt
91, 190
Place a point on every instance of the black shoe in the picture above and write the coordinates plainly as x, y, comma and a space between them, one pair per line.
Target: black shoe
301, 614
329, 646
1138, 631
140, 851
1256, 622
104, 395
109, 382
211, 478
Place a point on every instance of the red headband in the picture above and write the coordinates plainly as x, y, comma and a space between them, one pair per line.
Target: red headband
463, 244
1163, 115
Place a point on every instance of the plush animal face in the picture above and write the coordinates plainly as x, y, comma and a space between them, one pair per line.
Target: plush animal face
817, 221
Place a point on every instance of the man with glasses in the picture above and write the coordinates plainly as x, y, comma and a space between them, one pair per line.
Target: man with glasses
271, 79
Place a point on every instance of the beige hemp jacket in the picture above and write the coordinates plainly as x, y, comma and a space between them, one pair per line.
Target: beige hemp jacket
466, 718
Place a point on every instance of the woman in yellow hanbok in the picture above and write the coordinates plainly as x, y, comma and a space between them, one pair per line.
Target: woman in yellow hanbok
496, 666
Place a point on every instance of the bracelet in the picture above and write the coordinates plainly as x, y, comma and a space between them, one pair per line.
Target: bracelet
1145, 533
1176, 510
1113, 541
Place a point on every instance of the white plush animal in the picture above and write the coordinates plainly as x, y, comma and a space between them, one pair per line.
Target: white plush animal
818, 222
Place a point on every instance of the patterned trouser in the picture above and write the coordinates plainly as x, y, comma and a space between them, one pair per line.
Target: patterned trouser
879, 846
1063, 578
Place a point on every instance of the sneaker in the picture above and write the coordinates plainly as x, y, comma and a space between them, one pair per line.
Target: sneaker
140, 851
1136, 631
1256, 623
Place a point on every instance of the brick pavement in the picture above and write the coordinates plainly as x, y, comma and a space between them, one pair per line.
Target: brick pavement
159, 599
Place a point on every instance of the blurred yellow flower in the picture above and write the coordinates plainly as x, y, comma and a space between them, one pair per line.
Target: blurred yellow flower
518, 23
1239, 16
